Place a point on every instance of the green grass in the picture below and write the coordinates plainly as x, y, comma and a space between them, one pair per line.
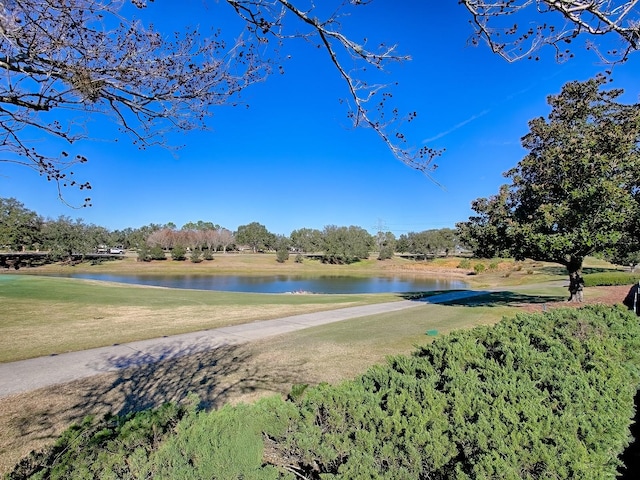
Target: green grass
46, 315
88, 292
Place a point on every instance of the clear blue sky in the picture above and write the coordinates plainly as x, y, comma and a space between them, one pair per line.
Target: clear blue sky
291, 160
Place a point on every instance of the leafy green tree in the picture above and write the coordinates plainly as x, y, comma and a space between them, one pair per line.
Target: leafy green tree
144, 253
200, 225
575, 192
346, 244
20, 228
282, 248
256, 236
65, 238
403, 244
432, 242
307, 240
386, 245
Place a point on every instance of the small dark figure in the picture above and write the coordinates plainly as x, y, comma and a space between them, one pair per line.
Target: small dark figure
576, 287
632, 300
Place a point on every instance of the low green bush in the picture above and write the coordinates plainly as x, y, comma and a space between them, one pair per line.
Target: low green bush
196, 256
106, 448
546, 395
611, 279
479, 268
178, 253
157, 253
464, 263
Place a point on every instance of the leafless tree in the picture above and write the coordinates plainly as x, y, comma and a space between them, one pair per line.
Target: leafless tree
225, 238
517, 29
369, 102
164, 238
67, 60
209, 239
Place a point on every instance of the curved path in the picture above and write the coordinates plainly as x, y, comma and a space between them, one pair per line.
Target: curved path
26, 375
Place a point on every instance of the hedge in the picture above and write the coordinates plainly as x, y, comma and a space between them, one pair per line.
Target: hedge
547, 395
606, 279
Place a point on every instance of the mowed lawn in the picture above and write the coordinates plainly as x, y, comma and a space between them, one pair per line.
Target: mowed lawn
48, 315
43, 315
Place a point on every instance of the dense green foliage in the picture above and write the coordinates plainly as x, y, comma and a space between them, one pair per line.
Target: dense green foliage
346, 244
429, 242
282, 248
576, 192
256, 236
610, 278
179, 253
19, 226
539, 396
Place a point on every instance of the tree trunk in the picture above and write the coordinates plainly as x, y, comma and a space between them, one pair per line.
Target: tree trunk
576, 282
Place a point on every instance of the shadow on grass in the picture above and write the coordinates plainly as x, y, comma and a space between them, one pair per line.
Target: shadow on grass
217, 376
490, 299
170, 375
562, 271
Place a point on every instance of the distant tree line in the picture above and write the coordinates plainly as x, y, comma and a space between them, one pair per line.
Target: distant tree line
22, 229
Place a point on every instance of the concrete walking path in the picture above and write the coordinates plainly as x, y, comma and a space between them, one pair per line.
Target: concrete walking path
27, 375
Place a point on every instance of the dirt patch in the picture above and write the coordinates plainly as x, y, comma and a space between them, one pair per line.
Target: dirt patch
592, 295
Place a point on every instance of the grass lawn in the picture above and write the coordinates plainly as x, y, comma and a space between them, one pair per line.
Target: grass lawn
46, 315
43, 314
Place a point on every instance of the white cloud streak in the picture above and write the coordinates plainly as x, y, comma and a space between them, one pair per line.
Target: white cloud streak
457, 126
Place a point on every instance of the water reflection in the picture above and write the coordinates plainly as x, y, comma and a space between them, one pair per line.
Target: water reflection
284, 283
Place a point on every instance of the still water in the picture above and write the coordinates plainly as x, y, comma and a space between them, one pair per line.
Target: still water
285, 283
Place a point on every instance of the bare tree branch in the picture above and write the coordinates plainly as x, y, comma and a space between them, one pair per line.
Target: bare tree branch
517, 29
84, 56
367, 102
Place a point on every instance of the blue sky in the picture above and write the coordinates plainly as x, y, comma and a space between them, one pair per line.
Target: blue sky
291, 160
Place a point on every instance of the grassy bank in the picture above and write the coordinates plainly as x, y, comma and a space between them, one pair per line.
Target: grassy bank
492, 271
47, 315
38, 310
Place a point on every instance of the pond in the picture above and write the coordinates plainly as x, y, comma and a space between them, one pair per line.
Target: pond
285, 283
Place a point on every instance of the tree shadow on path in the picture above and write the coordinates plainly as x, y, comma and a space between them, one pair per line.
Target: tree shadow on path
495, 299
225, 374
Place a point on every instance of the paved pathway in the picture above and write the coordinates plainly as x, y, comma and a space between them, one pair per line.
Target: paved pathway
26, 375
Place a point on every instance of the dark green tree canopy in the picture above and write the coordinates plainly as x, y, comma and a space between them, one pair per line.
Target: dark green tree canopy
575, 192
346, 244
307, 240
19, 226
256, 236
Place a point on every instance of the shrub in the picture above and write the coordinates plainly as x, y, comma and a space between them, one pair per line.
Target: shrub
208, 255
610, 279
179, 253
385, 253
465, 263
282, 255
478, 268
299, 258
80, 452
144, 254
196, 255
157, 253
513, 401
494, 265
